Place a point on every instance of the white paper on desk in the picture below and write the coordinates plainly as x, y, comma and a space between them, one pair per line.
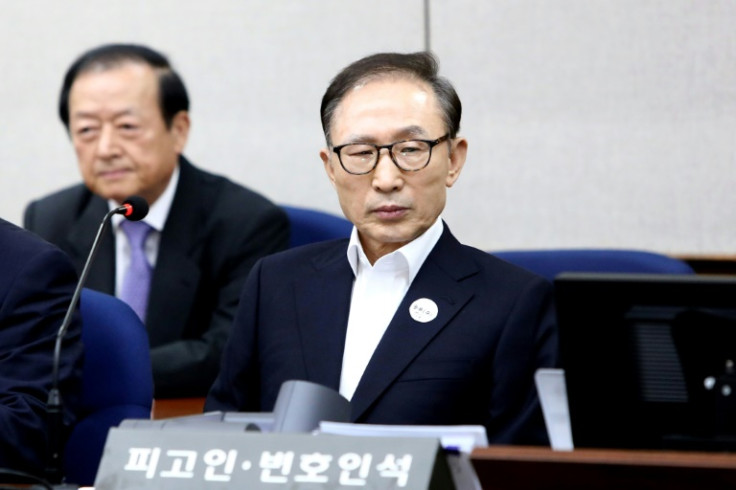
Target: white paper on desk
553, 397
461, 437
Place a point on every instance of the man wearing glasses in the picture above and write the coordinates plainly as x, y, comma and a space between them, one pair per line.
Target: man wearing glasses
407, 323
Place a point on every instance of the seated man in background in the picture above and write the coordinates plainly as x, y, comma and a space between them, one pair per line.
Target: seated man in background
407, 323
36, 288
126, 111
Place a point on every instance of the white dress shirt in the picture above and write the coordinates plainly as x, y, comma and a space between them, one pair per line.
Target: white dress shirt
156, 218
378, 290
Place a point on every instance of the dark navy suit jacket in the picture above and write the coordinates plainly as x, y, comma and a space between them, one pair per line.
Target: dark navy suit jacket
473, 364
216, 230
36, 286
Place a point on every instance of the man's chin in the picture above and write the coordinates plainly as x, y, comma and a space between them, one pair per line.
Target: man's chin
117, 195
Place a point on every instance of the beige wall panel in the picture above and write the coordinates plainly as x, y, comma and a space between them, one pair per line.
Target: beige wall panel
591, 122
602, 123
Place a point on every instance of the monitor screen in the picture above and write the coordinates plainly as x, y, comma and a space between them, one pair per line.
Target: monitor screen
649, 359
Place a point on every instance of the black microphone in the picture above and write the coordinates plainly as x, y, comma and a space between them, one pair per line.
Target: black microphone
134, 208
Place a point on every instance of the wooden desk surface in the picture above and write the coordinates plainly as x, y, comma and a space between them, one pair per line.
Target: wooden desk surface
538, 468
505, 467
164, 408
710, 264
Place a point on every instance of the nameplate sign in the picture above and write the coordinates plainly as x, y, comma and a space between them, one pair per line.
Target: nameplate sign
195, 459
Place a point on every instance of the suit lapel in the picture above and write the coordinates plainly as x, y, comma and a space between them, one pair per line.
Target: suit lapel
439, 280
80, 238
176, 275
322, 308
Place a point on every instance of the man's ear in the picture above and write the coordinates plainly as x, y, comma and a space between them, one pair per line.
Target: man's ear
180, 125
458, 152
325, 154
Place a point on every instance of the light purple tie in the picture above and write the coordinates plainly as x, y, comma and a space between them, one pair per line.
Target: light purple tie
137, 279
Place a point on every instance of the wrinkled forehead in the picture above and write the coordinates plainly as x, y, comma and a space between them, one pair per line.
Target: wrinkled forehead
144, 69
389, 99
124, 76
113, 62
396, 78
390, 76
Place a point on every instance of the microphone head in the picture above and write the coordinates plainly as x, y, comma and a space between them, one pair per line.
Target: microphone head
136, 208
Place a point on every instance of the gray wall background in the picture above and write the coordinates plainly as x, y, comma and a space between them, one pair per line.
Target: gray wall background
591, 123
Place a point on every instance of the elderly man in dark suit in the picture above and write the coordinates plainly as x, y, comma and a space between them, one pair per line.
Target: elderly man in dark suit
36, 287
126, 111
406, 322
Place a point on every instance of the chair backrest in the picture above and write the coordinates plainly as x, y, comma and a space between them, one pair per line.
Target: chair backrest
311, 225
550, 263
117, 380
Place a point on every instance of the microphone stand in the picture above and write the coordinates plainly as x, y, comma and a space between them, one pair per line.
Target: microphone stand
54, 405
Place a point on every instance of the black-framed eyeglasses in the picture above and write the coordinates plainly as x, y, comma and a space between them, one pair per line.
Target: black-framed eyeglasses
408, 155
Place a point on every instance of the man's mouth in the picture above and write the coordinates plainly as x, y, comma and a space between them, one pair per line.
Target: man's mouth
390, 212
113, 173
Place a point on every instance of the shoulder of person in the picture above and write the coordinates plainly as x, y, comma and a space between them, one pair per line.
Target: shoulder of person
221, 188
58, 210
75, 195
313, 256
494, 272
20, 246
227, 199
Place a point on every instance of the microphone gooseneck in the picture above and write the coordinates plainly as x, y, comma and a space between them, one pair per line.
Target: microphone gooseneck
134, 208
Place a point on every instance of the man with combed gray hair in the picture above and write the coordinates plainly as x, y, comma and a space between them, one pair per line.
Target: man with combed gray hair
407, 323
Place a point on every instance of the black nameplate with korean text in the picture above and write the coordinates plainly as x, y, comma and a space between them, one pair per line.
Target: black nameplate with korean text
197, 459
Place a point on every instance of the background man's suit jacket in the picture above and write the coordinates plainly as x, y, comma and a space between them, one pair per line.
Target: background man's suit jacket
36, 286
216, 230
472, 364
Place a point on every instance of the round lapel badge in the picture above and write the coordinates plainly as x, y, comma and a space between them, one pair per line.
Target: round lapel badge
423, 310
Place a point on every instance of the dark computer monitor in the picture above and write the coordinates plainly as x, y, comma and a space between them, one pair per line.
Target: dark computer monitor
649, 359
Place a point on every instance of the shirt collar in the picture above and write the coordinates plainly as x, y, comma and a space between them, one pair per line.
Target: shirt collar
414, 253
159, 210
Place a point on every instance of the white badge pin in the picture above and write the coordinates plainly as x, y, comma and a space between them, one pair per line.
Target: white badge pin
423, 310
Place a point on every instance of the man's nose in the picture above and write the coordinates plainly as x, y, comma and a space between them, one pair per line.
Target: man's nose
387, 176
106, 144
